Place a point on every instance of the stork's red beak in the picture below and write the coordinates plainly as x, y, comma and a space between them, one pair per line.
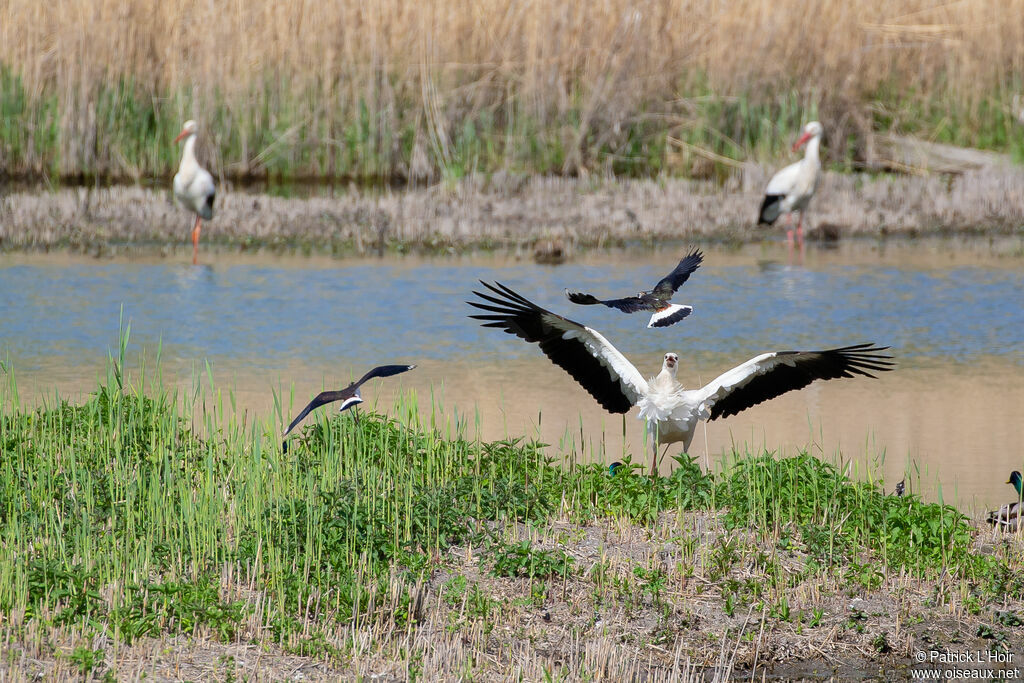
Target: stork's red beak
182, 134
800, 143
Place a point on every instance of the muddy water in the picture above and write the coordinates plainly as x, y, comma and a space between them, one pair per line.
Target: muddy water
951, 414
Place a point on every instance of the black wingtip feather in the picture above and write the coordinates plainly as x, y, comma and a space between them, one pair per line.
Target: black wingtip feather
771, 209
809, 366
582, 298
514, 314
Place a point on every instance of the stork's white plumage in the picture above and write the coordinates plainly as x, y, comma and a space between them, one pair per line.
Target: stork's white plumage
791, 188
671, 412
193, 184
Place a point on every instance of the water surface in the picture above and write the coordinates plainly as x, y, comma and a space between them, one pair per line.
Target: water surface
952, 313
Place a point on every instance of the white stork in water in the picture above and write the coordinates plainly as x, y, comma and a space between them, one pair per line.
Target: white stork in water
671, 411
193, 184
791, 188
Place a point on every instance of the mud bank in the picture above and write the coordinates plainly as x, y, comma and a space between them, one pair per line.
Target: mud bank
505, 211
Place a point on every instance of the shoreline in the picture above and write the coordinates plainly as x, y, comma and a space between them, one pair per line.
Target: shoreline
552, 217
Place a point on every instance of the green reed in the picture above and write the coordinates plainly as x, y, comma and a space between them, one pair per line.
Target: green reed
269, 132
128, 513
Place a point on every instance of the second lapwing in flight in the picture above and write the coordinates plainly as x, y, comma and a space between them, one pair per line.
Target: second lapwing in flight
656, 300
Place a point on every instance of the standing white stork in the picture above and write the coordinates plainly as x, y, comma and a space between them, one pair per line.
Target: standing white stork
193, 184
671, 411
791, 188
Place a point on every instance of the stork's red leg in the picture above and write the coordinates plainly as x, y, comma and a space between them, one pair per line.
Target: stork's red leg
195, 241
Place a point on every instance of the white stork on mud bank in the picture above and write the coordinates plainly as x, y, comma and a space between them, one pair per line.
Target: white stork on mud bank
656, 300
193, 184
791, 188
349, 396
671, 411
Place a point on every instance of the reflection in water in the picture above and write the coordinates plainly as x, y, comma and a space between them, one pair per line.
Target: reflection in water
953, 407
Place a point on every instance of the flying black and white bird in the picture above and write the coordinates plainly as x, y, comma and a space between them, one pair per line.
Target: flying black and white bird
791, 188
671, 412
656, 300
349, 396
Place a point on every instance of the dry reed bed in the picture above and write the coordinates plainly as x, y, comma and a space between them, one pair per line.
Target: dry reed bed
539, 48
509, 212
405, 78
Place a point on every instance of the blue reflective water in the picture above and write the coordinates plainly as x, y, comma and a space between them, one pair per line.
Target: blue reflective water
366, 312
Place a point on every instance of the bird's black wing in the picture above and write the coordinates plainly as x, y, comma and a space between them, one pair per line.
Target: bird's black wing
674, 280
582, 352
322, 398
383, 371
630, 304
346, 393
773, 374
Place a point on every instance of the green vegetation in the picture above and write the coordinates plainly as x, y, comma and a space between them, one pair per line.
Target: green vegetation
134, 131
134, 516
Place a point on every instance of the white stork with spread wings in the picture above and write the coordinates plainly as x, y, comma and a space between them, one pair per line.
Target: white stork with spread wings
671, 412
656, 300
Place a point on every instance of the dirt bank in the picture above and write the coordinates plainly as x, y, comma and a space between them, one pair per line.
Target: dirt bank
506, 211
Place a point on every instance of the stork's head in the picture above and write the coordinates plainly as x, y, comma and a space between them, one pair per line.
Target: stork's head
671, 363
811, 130
189, 128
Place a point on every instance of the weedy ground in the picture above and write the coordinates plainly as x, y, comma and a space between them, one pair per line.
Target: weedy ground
152, 534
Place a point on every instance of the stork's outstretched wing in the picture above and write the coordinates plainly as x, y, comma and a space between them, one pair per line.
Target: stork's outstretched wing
773, 374
582, 352
680, 274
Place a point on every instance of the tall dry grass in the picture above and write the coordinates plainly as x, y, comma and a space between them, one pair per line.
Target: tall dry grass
393, 88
